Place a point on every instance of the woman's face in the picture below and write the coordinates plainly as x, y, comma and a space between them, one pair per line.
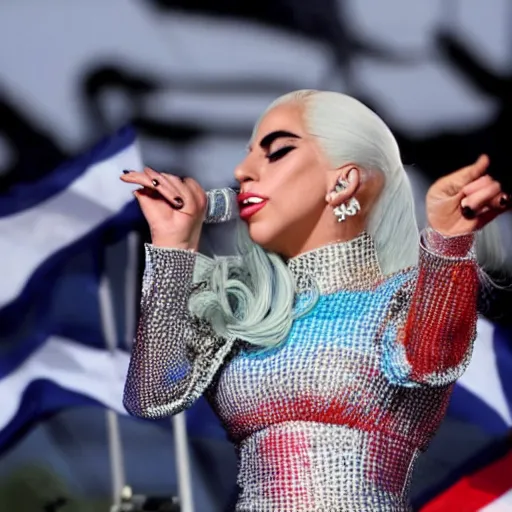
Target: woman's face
284, 180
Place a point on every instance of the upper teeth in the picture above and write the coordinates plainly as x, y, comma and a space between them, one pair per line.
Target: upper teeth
252, 200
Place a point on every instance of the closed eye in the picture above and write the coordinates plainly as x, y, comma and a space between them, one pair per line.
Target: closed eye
276, 155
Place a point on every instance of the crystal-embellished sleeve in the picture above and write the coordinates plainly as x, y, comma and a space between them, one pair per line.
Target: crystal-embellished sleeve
432, 318
174, 357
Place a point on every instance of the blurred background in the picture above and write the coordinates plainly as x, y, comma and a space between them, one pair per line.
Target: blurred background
88, 88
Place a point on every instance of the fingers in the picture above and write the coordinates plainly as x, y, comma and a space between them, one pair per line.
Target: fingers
485, 214
482, 195
453, 183
189, 190
147, 198
155, 182
491, 209
197, 191
477, 184
143, 193
137, 178
474, 171
184, 194
168, 187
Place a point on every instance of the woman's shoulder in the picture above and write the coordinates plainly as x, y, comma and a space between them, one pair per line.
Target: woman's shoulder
398, 278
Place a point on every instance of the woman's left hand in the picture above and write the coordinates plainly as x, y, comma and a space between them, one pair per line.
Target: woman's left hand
466, 200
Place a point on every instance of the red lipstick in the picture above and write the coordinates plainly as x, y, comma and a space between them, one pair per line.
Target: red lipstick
250, 203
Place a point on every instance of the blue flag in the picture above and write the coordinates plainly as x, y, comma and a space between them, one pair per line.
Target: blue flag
483, 395
53, 237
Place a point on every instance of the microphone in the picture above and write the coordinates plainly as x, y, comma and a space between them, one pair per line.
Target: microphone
222, 205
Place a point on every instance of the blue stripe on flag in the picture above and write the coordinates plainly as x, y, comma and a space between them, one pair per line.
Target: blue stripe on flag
41, 399
41, 323
483, 395
30, 317
27, 195
465, 406
202, 422
491, 453
503, 349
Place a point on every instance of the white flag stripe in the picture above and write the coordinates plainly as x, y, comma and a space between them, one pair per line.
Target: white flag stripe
92, 372
29, 237
482, 378
501, 504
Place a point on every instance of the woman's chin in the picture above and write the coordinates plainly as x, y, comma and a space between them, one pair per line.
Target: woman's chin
263, 235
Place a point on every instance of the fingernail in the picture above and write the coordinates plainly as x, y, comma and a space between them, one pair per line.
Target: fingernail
330, 196
126, 172
505, 200
155, 183
178, 203
468, 213
351, 174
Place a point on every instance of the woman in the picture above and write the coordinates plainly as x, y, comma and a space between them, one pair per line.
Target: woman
329, 346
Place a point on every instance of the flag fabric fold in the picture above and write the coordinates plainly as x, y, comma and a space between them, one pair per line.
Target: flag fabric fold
76, 210
61, 373
54, 235
483, 484
483, 395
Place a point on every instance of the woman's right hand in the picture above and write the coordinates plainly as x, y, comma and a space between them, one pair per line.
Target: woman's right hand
174, 208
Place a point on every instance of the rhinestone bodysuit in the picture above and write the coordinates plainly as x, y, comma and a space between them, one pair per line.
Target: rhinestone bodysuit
333, 419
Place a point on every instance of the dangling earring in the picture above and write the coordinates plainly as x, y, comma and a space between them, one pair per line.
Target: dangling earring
345, 210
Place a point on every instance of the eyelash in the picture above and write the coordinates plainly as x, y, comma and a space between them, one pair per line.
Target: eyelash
276, 155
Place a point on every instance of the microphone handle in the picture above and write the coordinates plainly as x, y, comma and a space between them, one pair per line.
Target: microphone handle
222, 205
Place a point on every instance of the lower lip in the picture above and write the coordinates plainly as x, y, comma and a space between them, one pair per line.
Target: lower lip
248, 211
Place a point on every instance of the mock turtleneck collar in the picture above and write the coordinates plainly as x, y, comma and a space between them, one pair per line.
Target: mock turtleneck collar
338, 266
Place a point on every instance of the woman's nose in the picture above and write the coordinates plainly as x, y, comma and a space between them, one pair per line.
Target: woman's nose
245, 171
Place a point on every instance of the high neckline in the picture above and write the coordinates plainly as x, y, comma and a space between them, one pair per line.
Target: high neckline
350, 265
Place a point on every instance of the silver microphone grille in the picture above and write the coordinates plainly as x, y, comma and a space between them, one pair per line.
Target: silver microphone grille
222, 205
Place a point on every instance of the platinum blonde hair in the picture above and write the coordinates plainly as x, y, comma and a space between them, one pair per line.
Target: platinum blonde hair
250, 296
349, 132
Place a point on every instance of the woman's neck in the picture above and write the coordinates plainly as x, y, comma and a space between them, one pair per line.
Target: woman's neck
325, 232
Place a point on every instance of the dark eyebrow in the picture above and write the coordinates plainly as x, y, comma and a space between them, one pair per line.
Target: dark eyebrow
271, 137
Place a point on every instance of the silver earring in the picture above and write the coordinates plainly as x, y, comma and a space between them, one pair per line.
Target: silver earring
345, 210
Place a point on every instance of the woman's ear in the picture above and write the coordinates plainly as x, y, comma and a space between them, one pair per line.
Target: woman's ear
345, 187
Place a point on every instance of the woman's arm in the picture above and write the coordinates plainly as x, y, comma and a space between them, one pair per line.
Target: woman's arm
432, 318
174, 357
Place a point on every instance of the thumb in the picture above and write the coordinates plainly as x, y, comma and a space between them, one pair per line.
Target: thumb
472, 172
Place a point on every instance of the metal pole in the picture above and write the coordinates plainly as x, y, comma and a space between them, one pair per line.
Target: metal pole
178, 421
114, 436
182, 463
131, 288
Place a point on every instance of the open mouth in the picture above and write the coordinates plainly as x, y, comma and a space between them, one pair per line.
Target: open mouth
249, 204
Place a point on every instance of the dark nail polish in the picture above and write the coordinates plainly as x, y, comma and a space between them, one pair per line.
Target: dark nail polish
126, 172
177, 203
505, 200
468, 213
155, 183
